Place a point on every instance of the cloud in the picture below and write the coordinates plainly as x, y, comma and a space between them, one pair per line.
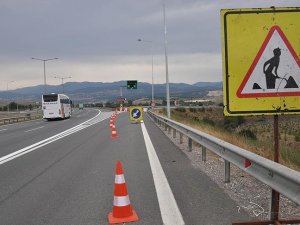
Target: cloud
188, 68
96, 40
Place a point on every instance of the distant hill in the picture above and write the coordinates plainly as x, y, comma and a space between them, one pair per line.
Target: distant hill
218, 85
98, 91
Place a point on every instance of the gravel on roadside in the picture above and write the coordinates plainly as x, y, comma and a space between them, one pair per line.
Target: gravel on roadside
251, 195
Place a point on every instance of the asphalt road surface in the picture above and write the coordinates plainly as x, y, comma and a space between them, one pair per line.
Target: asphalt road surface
63, 172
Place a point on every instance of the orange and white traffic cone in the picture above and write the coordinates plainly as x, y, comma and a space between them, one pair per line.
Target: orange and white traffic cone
114, 132
122, 211
111, 123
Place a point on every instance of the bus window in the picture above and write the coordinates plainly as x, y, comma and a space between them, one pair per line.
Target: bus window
50, 98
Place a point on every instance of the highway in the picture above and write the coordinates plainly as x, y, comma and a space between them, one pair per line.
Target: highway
63, 172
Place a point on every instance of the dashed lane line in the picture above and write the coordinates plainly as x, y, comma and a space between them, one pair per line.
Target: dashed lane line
37, 128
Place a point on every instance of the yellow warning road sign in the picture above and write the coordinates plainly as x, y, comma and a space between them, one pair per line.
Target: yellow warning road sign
136, 113
261, 65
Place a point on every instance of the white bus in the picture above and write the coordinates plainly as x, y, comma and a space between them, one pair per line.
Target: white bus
56, 106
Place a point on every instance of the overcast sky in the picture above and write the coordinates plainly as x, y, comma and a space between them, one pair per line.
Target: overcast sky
96, 40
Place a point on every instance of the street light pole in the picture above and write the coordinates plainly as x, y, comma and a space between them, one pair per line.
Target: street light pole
152, 99
44, 60
167, 72
7, 93
62, 81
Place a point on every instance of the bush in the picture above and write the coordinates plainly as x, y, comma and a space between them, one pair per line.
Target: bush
233, 122
196, 119
193, 110
297, 137
183, 110
202, 109
248, 134
208, 121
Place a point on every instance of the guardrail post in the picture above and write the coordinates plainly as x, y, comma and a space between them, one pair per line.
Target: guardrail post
169, 130
190, 144
166, 127
203, 154
227, 171
174, 133
180, 138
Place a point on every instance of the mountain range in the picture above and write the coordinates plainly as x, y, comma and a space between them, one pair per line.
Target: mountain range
100, 92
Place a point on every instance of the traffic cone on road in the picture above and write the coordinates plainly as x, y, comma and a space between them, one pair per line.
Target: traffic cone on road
114, 132
111, 123
122, 211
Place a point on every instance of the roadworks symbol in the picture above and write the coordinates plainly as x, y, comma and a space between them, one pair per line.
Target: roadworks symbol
275, 70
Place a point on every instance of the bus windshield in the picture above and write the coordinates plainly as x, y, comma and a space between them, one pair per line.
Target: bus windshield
50, 98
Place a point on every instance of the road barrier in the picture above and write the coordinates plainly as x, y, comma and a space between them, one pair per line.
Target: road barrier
280, 178
17, 119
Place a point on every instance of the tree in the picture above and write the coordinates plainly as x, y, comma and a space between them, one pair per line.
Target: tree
12, 106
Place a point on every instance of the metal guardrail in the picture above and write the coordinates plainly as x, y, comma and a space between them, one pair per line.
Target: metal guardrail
280, 178
17, 119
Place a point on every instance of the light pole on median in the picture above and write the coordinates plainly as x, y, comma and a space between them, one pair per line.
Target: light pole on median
44, 60
152, 99
166, 59
62, 81
7, 93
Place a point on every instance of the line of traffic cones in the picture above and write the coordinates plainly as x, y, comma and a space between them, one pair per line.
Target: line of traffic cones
122, 211
112, 125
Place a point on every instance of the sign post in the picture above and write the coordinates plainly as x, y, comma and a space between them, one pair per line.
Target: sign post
261, 71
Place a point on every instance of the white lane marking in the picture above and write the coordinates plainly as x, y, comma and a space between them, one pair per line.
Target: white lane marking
169, 210
49, 140
3, 130
34, 129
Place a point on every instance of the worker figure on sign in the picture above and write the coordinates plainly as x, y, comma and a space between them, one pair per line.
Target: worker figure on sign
269, 66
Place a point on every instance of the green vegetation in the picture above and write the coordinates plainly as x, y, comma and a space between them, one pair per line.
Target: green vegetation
13, 106
297, 137
254, 133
